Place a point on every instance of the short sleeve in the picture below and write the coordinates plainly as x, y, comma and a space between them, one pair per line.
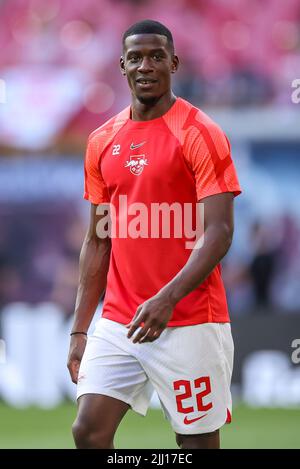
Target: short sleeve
95, 189
207, 151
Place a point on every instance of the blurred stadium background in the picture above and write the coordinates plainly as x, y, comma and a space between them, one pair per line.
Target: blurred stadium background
59, 80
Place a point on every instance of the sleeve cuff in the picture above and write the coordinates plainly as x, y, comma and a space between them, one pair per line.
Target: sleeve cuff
234, 190
95, 200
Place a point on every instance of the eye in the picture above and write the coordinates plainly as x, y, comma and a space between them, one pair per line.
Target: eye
157, 57
133, 58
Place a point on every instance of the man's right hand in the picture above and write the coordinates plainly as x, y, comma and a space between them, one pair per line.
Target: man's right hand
77, 347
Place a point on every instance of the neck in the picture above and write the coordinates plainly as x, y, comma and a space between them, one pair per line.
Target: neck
144, 111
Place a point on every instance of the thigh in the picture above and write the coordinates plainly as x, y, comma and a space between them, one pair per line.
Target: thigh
97, 412
190, 369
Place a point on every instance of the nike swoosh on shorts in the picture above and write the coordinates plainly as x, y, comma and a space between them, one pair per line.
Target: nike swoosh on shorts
187, 421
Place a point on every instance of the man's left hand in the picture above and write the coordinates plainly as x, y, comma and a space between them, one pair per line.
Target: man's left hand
154, 314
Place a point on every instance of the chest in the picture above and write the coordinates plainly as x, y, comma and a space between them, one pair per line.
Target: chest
143, 159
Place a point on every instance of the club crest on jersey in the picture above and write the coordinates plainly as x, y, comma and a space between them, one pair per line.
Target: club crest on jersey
136, 164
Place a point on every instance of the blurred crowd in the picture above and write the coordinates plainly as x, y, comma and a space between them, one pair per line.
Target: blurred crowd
268, 280
232, 52
39, 253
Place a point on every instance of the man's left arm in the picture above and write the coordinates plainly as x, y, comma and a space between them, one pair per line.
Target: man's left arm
218, 231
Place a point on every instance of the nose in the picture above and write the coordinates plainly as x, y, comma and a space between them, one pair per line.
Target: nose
145, 65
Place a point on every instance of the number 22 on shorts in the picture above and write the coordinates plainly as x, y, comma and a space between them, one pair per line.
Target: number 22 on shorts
189, 387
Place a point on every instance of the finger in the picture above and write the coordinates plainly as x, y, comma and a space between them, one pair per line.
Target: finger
132, 330
150, 337
142, 333
135, 325
134, 317
74, 370
145, 337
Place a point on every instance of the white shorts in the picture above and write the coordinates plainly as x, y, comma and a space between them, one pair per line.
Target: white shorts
190, 367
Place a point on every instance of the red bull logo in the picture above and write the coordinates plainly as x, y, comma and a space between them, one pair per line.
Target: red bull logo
136, 164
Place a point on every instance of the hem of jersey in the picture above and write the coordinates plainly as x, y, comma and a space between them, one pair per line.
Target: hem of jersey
109, 393
172, 323
210, 429
86, 196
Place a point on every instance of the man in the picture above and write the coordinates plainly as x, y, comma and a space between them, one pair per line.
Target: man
165, 322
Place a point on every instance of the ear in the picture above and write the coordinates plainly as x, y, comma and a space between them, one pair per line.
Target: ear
175, 64
122, 66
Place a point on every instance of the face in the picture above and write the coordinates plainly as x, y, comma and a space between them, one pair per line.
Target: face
148, 63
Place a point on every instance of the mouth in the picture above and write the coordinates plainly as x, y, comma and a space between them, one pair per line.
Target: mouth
146, 83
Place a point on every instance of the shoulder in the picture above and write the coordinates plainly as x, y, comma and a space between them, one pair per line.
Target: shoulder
188, 122
103, 135
199, 120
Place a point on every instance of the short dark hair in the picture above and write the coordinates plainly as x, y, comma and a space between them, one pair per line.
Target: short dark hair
149, 27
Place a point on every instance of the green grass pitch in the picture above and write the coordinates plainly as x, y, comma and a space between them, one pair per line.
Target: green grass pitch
250, 428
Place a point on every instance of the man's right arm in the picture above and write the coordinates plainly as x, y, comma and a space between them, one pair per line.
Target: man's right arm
93, 268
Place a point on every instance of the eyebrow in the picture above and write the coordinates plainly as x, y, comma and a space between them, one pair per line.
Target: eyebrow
158, 49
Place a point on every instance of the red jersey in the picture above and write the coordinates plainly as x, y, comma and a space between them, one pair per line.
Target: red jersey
180, 157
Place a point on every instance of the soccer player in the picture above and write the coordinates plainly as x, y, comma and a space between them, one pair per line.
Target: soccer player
165, 322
